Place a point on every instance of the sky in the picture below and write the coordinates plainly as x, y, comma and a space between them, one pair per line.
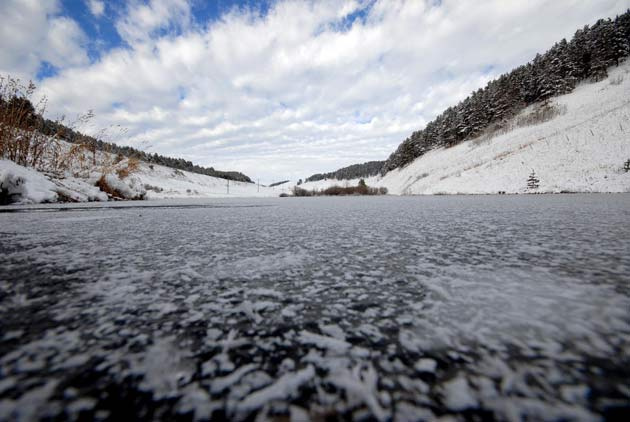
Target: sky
276, 89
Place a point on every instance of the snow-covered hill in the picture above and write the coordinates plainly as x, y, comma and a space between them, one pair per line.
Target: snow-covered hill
149, 181
164, 182
582, 150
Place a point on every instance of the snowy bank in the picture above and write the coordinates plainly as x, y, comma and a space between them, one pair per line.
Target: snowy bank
25, 186
102, 182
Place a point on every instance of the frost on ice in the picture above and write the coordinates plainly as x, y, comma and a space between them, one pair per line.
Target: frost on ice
413, 308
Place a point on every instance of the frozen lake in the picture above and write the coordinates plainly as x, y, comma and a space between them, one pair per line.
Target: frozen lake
365, 308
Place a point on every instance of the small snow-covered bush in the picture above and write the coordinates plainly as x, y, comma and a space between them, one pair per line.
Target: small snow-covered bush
114, 187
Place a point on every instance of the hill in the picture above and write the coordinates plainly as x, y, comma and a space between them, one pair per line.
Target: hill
354, 171
586, 57
582, 147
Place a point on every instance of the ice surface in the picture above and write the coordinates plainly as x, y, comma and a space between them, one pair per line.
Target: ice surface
360, 308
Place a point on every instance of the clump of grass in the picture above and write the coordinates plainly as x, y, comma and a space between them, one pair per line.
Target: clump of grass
133, 165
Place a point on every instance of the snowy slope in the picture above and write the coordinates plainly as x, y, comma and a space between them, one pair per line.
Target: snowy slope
165, 182
582, 150
77, 183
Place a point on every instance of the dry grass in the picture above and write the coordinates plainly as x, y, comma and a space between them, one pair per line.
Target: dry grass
133, 165
20, 140
21, 137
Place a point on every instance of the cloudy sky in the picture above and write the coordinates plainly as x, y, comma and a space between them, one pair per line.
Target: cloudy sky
275, 89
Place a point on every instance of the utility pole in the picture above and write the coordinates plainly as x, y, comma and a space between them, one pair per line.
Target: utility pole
258, 185
228, 186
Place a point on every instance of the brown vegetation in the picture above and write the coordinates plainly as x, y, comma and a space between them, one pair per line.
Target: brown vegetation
105, 187
133, 164
360, 189
21, 132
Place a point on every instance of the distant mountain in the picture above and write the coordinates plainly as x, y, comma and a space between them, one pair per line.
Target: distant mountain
588, 55
278, 183
355, 171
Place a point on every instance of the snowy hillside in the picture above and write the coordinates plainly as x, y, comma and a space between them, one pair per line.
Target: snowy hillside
582, 150
164, 182
78, 182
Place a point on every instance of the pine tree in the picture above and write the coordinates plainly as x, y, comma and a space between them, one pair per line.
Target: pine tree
532, 181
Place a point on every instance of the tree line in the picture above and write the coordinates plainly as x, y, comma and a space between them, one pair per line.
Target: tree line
355, 171
591, 51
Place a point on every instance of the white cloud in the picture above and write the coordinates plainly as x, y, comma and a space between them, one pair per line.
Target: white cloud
32, 31
143, 20
96, 7
300, 91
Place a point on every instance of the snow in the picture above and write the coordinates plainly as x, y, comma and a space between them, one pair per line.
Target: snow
164, 182
582, 150
324, 342
458, 395
426, 365
25, 186
130, 187
286, 386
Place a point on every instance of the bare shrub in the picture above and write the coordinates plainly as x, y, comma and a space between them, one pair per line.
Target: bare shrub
153, 188
540, 114
297, 191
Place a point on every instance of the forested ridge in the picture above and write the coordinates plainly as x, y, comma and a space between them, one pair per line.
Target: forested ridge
591, 51
355, 171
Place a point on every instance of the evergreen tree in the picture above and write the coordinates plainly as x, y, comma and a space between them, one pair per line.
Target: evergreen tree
532, 181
